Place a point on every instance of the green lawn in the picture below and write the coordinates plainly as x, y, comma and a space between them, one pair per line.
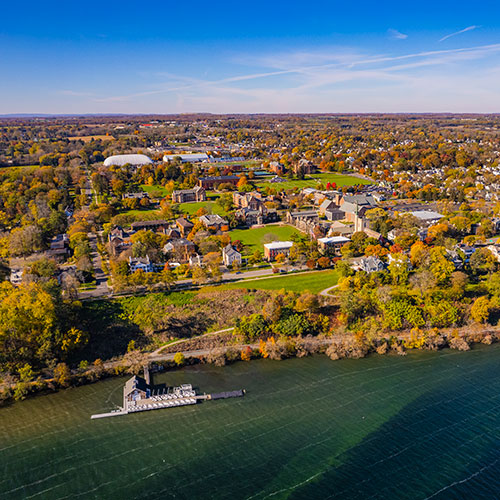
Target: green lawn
155, 187
192, 208
314, 179
253, 239
312, 281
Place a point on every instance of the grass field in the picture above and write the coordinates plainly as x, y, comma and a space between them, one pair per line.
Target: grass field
315, 179
14, 168
253, 239
312, 281
143, 214
192, 208
155, 187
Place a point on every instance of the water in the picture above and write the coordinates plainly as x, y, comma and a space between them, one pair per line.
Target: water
423, 426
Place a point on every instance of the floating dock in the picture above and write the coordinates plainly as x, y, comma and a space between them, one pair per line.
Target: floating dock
138, 395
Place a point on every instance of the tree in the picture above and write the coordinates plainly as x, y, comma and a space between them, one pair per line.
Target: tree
179, 359
480, 310
25, 240
399, 268
323, 262
29, 330
441, 267
62, 374
307, 302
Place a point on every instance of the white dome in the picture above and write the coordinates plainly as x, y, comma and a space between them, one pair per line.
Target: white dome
121, 160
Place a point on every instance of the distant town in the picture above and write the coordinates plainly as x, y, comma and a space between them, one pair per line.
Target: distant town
129, 240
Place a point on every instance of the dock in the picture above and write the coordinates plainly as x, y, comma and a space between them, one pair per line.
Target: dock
139, 395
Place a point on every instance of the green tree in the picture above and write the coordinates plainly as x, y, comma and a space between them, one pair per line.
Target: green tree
480, 310
179, 359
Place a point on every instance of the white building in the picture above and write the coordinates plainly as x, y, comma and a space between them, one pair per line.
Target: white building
230, 255
121, 160
188, 157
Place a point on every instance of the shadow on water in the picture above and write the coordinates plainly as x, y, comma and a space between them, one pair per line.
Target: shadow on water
439, 446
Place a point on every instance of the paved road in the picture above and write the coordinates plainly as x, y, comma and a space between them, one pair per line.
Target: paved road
102, 288
326, 291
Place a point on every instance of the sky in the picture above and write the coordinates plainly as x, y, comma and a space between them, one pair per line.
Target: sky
250, 57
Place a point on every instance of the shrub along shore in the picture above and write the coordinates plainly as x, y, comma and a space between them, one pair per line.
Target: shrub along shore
222, 350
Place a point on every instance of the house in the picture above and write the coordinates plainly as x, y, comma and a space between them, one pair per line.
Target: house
59, 247
181, 248
215, 222
196, 260
118, 240
140, 263
333, 242
371, 264
189, 195
213, 181
150, 225
272, 250
230, 255
135, 389
184, 226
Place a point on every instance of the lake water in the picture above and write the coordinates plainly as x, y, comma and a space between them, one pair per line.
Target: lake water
385, 427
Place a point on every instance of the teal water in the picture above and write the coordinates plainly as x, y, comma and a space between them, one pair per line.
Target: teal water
423, 426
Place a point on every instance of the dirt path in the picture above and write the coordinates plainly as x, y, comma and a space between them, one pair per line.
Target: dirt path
158, 351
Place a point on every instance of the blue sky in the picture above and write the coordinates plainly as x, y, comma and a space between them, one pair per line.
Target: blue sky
252, 57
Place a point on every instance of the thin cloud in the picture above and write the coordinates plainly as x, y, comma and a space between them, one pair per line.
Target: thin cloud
469, 28
396, 34
382, 68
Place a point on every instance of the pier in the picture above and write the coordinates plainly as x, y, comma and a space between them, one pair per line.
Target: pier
139, 395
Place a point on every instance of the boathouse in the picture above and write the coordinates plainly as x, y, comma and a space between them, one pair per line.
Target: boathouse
135, 389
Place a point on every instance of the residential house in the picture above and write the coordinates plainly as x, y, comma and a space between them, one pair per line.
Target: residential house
59, 247
230, 255
140, 263
196, 260
371, 264
180, 248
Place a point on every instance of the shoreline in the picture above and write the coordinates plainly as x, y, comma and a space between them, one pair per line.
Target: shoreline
335, 347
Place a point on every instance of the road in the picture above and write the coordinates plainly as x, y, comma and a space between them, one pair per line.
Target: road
102, 288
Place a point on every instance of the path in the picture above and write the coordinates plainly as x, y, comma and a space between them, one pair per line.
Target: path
326, 291
158, 351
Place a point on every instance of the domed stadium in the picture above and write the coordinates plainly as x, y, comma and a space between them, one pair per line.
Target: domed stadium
121, 160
